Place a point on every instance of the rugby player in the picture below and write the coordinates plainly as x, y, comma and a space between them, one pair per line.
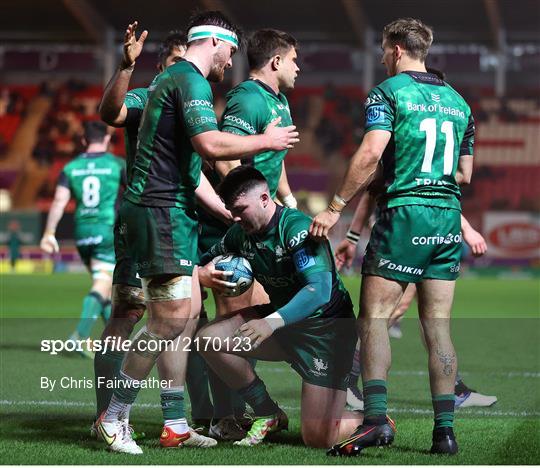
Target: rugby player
344, 255
309, 321
424, 132
93, 178
251, 107
121, 108
159, 222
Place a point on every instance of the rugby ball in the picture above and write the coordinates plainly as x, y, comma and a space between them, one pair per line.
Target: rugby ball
242, 273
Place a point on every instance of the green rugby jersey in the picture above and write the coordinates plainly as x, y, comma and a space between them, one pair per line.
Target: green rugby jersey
431, 126
251, 106
166, 170
134, 101
94, 180
283, 257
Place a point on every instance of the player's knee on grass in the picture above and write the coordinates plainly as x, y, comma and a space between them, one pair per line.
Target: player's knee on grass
318, 436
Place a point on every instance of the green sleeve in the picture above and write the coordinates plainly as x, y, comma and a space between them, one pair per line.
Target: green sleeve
136, 98
63, 179
197, 105
308, 255
380, 109
230, 243
135, 101
467, 144
244, 114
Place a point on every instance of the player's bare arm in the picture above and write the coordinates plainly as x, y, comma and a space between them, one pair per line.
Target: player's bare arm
227, 146
473, 238
112, 108
464, 170
209, 199
284, 191
48, 242
360, 173
224, 167
346, 250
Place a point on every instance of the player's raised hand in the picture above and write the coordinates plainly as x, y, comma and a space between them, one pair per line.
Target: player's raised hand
281, 138
49, 244
475, 241
322, 223
256, 331
344, 254
132, 46
209, 277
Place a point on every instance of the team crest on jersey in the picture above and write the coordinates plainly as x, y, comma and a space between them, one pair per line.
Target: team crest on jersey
245, 250
375, 114
302, 259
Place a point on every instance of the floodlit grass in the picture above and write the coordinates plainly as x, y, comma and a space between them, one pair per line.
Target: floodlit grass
496, 333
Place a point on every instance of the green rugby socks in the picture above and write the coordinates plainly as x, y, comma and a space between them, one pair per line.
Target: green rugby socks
256, 396
172, 406
93, 304
443, 408
375, 402
106, 367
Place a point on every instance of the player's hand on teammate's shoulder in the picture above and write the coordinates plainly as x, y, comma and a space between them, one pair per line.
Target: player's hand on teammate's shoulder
209, 277
132, 46
281, 138
344, 254
256, 330
49, 244
322, 223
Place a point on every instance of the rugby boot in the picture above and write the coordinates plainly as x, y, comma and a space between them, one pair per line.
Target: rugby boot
227, 429
134, 434
262, 426
117, 437
365, 436
444, 441
170, 439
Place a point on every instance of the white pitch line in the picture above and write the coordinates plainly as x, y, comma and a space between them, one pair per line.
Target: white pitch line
464, 411
421, 373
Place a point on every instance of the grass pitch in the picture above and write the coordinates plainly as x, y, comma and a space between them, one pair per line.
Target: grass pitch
496, 332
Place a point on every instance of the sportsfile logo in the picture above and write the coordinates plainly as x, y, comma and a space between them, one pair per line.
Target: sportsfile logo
437, 240
389, 265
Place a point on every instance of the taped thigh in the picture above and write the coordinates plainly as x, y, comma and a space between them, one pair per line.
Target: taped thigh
175, 288
101, 269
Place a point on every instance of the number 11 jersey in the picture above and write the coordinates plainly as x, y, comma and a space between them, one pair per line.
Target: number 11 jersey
432, 127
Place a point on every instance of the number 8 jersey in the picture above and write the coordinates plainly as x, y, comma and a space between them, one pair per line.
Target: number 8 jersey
431, 126
94, 180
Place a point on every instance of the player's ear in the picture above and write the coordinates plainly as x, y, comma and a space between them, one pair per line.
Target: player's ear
276, 62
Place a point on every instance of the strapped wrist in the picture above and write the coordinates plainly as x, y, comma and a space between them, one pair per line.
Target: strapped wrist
125, 67
353, 237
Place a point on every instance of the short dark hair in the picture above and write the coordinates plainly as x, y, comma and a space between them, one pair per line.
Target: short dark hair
173, 40
238, 182
94, 131
411, 34
215, 18
265, 43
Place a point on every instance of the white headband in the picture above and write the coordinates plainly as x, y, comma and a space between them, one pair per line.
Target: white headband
207, 30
